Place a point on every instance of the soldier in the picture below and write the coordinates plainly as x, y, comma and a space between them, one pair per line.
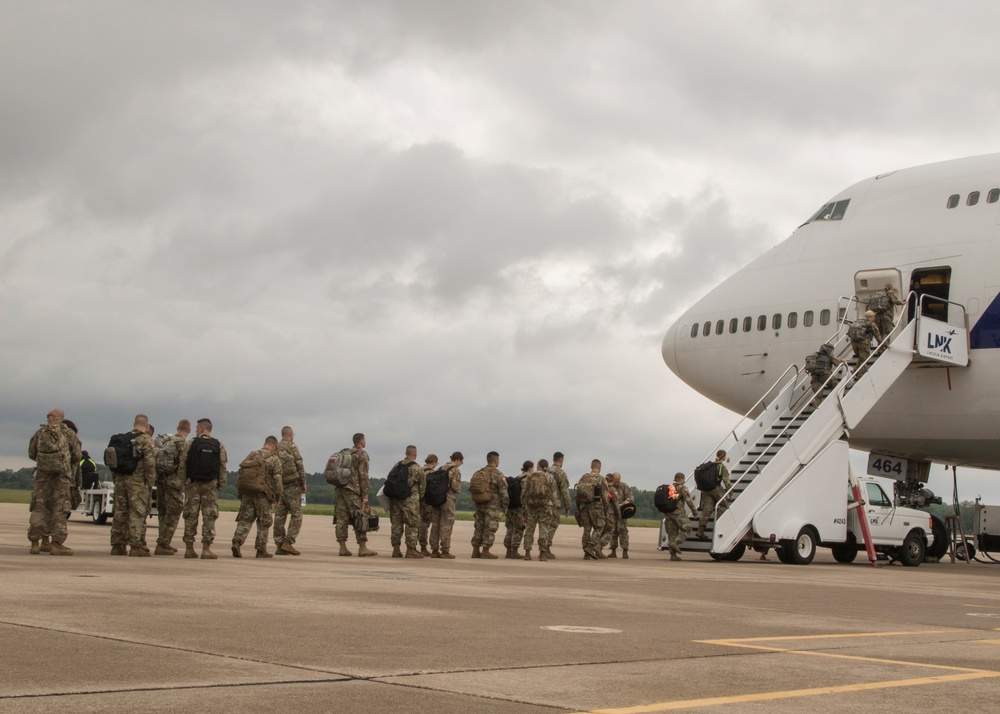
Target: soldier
169, 486
714, 496
443, 517
488, 488
132, 492
289, 502
352, 499
259, 486
883, 303
539, 489
514, 520
677, 521
561, 502
590, 506
861, 333
612, 514
619, 534
426, 512
55, 454
404, 513
203, 470
820, 366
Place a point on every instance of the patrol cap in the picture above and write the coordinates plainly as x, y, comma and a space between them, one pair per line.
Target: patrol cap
679, 476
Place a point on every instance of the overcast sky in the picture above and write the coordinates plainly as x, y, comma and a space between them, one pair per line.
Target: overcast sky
456, 224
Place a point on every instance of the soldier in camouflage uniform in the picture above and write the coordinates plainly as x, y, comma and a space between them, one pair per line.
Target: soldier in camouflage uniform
404, 513
293, 485
169, 487
443, 518
883, 303
537, 515
590, 506
132, 494
257, 506
488, 514
619, 534
561, 502
612, 515
717, 495
862, 332
201, 496
55, 453
514, 522
353, 498
426, 512
677, 521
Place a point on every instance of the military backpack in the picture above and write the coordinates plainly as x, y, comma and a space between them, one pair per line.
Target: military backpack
397, 485
122, 455
587, 490
536, 492
859, 331
167, 457
515, 485
706, 476
479, 487
252, 477
436, 491
338, 470
880, 302
51, 449
665, 498
204, 459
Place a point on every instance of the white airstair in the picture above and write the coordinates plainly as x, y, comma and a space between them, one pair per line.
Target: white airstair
785, 431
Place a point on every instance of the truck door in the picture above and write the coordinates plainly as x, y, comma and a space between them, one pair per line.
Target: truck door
880, 511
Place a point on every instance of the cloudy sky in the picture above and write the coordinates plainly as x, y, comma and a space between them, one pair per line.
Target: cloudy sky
458, 224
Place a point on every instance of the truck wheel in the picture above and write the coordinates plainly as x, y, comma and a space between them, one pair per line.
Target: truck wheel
939, 549
784, 551
845, 552
960, 552
732, 556
803, 548
97, 514
911, 553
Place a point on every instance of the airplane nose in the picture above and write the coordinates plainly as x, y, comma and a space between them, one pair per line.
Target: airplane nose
668, 349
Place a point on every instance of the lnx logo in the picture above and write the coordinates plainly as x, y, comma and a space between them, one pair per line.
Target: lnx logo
939, 342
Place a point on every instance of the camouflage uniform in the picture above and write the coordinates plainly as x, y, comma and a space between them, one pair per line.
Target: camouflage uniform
169, 493
514, 522
488, 514
404, 513
715, 496
443, 518
885, 319
677, 521
132, 492
561, 504
619, 536
863, 347
350, 497
50, 499
591, 515
426, 512
293, 483
612, 516
257, 506
540, 516
201, 497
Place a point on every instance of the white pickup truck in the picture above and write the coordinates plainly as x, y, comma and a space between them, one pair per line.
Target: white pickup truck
823, 519
98, 503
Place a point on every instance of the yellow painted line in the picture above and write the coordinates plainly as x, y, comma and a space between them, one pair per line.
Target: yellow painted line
789, 638
792, 693
984, 642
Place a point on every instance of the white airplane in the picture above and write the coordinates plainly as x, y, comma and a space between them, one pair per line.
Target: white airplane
934, 229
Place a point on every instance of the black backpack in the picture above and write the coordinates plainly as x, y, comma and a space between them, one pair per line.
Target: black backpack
121, 456
204, 459
436, 492
665, 498
514, 486
706, 476
396, 485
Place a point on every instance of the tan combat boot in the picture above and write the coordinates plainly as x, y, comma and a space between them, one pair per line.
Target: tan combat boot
364, 552
527, 554
548, 554
700, 535
423, 550
475, 552
488, 555
60, 549
613, 553
163, 550
138, 551
675, 557
287, 549
446, 555
35, 547
343, 549
264, 554
509, 554
600, 554
46, 545
396, 552
189, 551
170, 548
119, 549
435, 553
237, 553
542, 557
624, 553
206, 552
414, 553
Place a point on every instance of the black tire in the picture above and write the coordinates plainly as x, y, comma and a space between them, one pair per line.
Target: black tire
960, 551
845, 552
941, 542
784, 551
718, 556
803, 548
97, 513
911, 553
736, 553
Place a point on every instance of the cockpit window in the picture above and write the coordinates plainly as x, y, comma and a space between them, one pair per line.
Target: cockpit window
831, 212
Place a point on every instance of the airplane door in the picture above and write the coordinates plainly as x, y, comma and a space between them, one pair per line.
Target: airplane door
868, 282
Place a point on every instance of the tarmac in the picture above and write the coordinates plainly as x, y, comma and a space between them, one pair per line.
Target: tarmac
319, 633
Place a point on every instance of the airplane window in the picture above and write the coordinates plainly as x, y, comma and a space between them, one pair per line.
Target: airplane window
824, 317
993, 195
807, 318
953, 200
973, 199
706, 330
793, 319
747, 323
733, 324
839, 209
761, 323
831, 211
776, 322
694, 330
719, 326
